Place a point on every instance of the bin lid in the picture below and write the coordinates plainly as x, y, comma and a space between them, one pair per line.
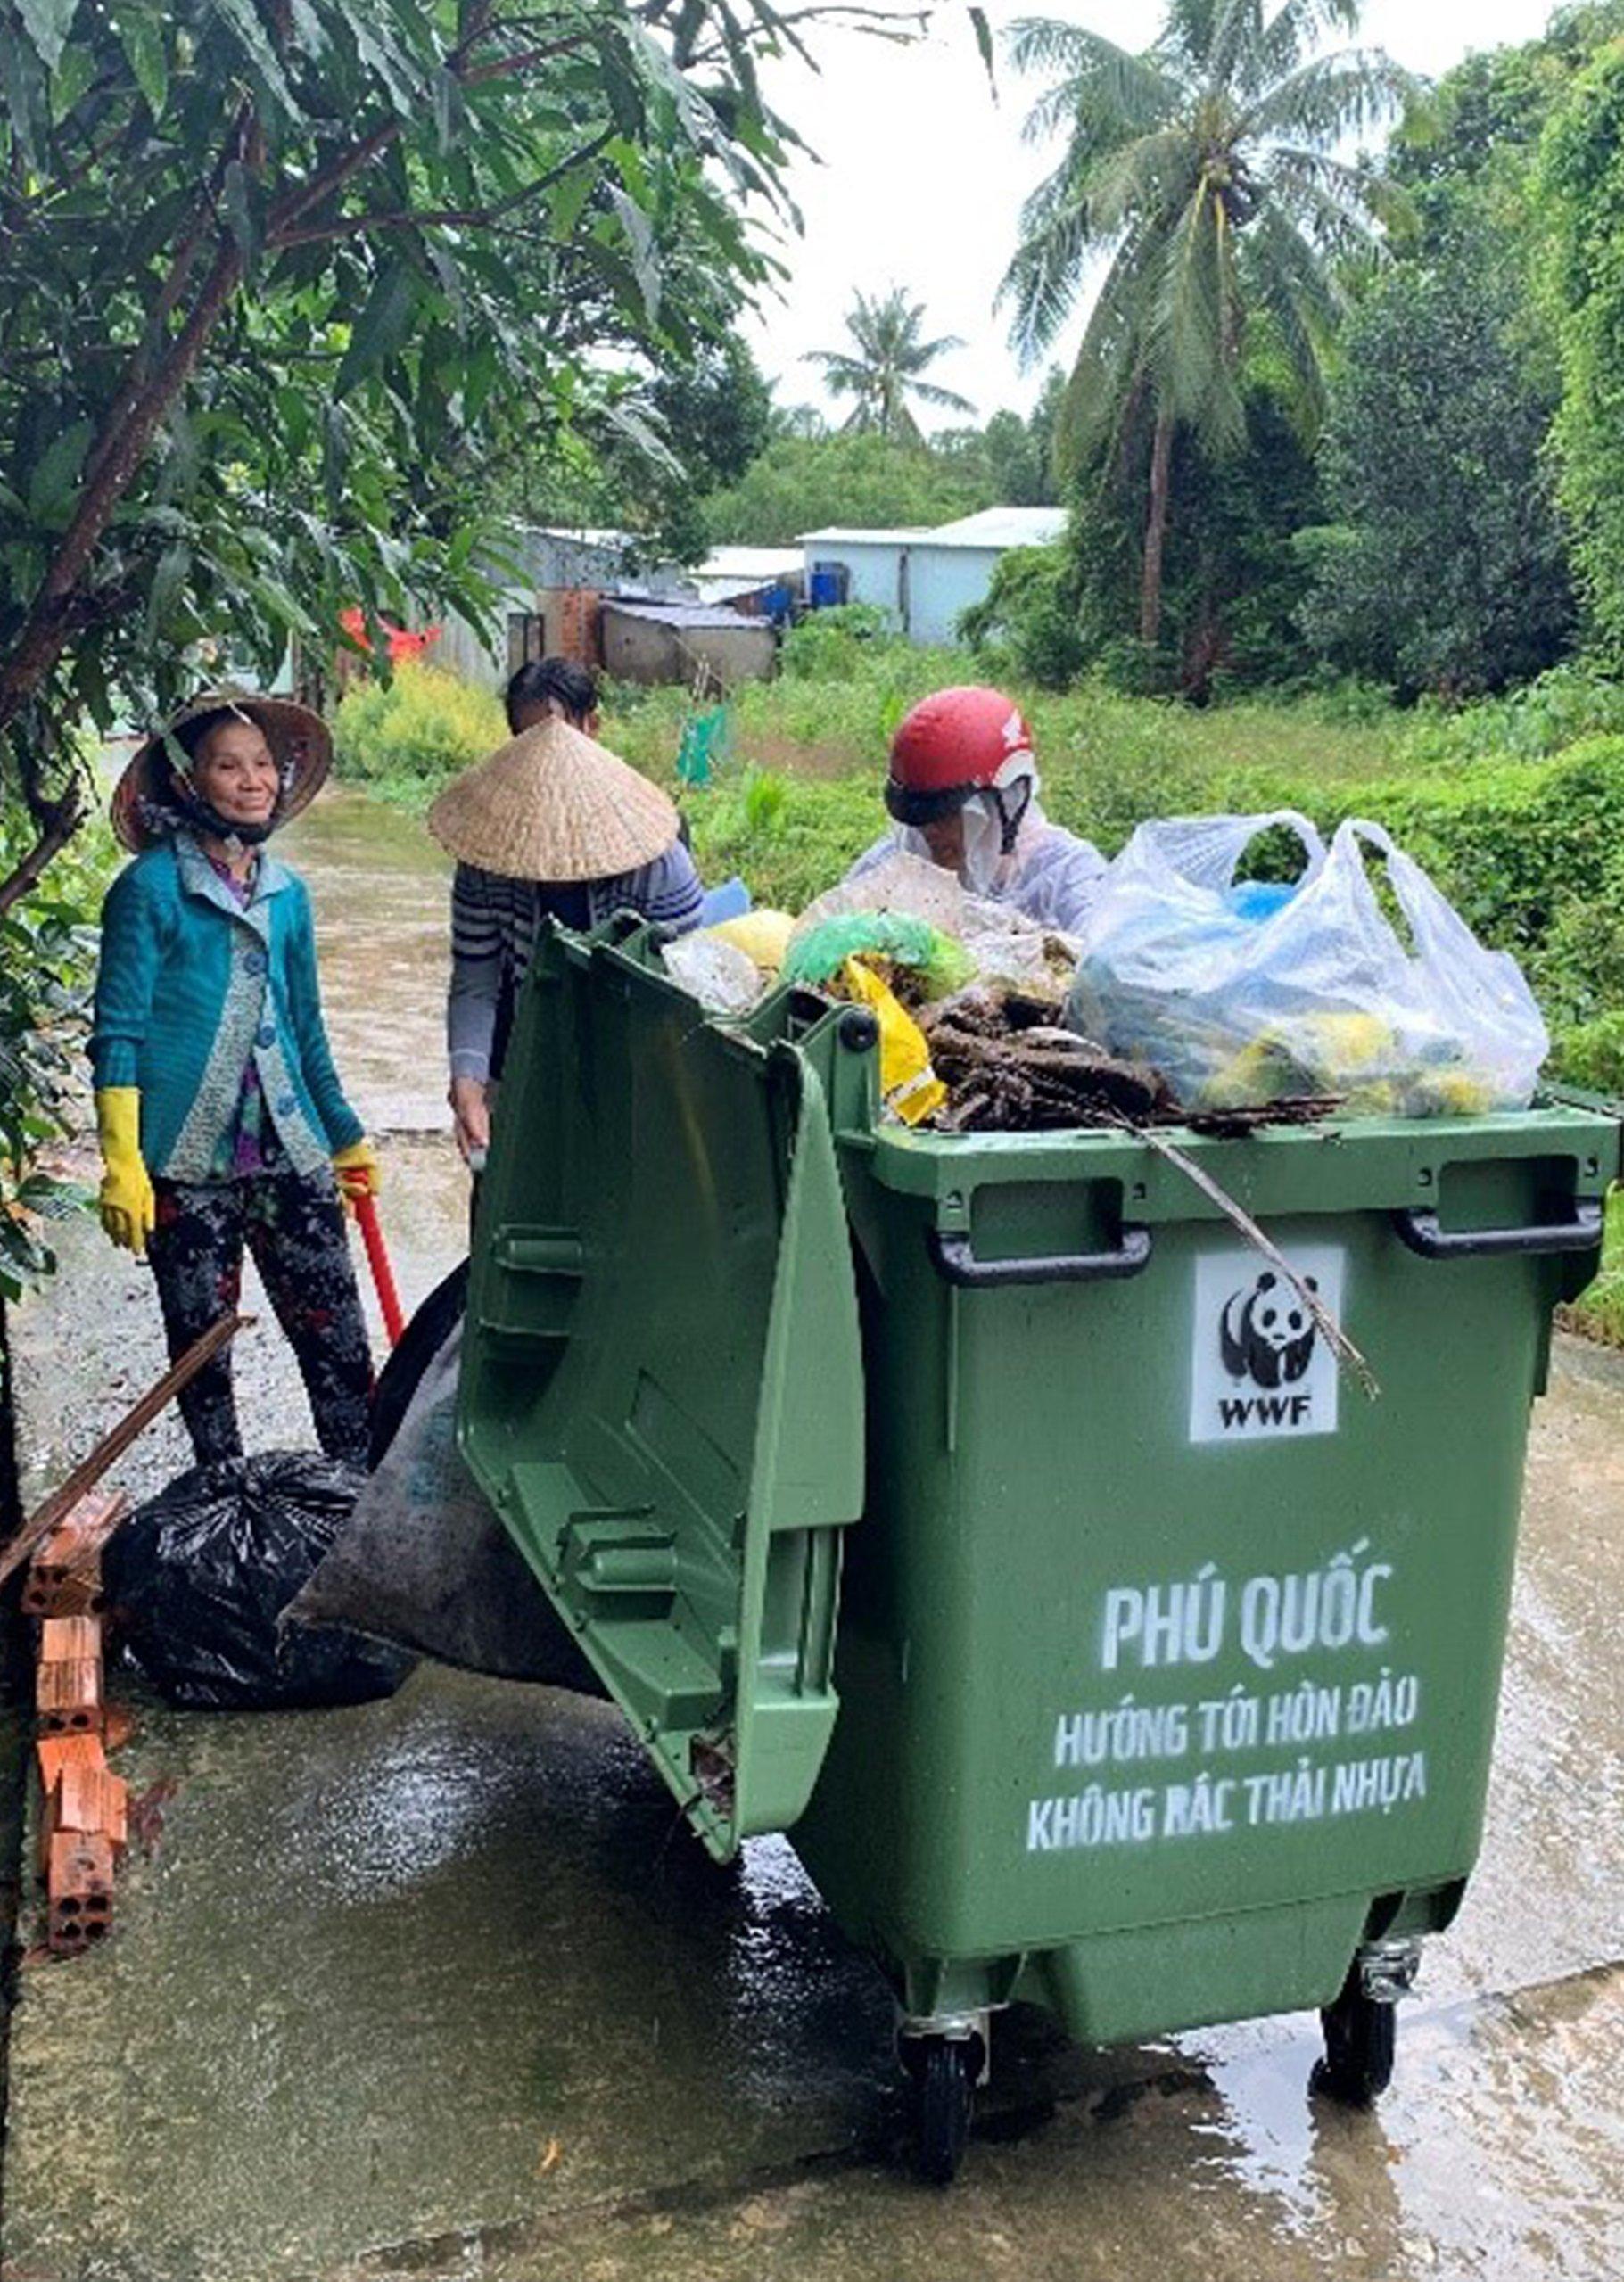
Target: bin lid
661, 1382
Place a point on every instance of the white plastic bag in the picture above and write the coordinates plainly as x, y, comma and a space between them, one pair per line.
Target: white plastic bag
1321, 995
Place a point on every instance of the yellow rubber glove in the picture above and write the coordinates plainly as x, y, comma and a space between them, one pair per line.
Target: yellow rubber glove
127, 1191
357, 1172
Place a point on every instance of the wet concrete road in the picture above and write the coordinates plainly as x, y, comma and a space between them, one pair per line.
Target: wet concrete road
435, 1988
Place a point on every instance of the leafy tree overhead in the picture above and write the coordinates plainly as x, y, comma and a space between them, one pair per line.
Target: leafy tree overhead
647, 461
883, 366
1445, 568
1206, 171
272, 274
1581, 188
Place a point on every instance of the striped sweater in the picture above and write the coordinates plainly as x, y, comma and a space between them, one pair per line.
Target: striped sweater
494, 924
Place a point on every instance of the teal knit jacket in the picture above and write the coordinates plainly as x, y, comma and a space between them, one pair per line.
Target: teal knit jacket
190, 987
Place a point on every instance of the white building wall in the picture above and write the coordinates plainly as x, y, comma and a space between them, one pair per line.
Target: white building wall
941, 581
874, 573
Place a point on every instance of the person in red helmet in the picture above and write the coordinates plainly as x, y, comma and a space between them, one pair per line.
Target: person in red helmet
963, 793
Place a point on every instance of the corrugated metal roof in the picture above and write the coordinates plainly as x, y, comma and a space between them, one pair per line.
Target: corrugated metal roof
746, 564
1002, 527
994, 527
696, 614
837, 537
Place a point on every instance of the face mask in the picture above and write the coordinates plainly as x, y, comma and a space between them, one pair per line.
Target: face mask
992, 821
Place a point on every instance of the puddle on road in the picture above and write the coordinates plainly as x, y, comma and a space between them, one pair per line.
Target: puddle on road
1495, 2154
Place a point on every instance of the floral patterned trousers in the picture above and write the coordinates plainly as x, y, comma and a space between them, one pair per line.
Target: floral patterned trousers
293, 1224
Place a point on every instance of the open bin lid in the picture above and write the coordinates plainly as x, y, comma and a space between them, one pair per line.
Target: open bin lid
662, 1382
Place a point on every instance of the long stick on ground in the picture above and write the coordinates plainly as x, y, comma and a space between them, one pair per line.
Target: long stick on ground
112, 1446
1335, 1337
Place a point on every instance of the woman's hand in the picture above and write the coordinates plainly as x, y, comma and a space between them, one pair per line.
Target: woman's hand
358, 1174
472, 1113
127, 1193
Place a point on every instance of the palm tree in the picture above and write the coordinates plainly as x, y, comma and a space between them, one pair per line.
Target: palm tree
885, 371
1205, 170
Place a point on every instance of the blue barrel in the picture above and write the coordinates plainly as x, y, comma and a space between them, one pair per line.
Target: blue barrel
826, 586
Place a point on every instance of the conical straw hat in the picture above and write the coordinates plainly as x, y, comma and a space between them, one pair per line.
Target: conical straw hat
299, 738
553, 804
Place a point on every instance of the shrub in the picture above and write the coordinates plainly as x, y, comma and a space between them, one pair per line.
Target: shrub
1513, 846
47, 964
1591, 1055
422, 726
1530, 724
1027, 620
788, 848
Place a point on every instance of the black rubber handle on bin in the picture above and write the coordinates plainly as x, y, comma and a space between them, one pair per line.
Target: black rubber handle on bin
1420, 1231
953, 1258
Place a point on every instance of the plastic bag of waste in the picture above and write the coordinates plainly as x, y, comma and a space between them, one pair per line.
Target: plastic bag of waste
1240, 1000
910, 1088
763, 937
200, 1574
724, 979
1003, 943
939, 964
425, 1561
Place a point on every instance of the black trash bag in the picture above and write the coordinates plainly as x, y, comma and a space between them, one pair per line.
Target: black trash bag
199, 1576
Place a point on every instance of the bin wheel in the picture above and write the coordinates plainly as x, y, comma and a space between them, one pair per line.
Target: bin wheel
1360, 2034
944, 2070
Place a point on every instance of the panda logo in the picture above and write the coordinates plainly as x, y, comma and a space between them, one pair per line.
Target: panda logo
1267, 1334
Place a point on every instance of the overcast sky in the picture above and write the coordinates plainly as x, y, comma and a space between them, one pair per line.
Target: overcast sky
923, 176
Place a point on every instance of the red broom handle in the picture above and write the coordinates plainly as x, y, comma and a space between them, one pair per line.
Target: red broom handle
383, 1274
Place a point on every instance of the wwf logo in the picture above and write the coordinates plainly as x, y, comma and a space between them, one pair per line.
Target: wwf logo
1266, 1334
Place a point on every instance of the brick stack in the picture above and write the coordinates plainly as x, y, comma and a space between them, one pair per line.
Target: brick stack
85, 1813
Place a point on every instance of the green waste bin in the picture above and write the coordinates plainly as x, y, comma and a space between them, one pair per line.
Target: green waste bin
985, 1512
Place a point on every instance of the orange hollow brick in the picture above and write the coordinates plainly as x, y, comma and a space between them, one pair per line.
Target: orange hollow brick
78, 1881
89, 1800
69, 1592
64, 1578
54, 1753
68, 1696
65, 1639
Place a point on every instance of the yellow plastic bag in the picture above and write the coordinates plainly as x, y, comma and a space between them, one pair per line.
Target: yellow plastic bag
911, 1089
762, 935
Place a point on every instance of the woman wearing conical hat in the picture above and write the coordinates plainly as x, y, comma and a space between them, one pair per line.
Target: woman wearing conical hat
221, 1117
550, 826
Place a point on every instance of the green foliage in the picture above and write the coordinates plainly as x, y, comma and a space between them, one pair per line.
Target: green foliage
278, 285
803, 484
415, 730
885, 366
648, 464
1529, 724
1206, 172
810, 839
1445, 568
47, 964
1027, 624
1591, 1055
1599, 1314
1582, 188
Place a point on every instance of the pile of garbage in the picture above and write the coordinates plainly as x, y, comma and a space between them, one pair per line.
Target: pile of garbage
1193, 997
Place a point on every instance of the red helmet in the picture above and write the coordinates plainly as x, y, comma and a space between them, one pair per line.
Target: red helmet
953, 744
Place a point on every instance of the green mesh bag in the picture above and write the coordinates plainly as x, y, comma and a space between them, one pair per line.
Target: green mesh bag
942, 963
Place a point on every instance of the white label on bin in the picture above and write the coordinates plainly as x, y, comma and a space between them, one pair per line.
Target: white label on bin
1260, 1367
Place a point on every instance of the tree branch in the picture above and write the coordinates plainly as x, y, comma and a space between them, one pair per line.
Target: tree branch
45, 629
446, 217
61, 821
